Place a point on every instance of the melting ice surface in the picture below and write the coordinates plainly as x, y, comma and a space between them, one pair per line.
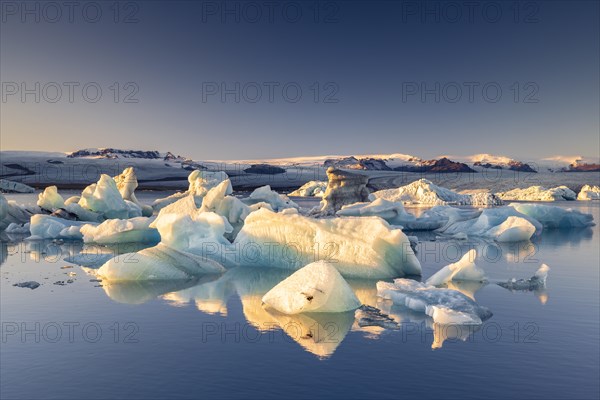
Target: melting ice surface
211, 334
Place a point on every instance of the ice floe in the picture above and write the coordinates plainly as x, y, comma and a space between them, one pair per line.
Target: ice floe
554, 217
444, 306
49, 227
275, 200
127, 183
317, 287
7, 186
536, 282
121, 231
200, 182
50, 200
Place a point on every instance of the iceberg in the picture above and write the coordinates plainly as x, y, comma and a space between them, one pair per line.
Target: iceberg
589, 192
425, 192
200, 182
11, 212
392, 212
539, 193
50, 200
127, 183
19, 229
311, 189
231, 208
104, 198
14, 187
157, 263
277, 201
554, 217
536, 282
49, 227
365, 247
317, 287
463, 270
343, 188
513, 229
444, 306
121, 231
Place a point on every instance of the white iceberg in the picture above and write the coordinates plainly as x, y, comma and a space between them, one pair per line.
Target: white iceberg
444, 306
50, 200
392, 212
463, 270
49, 227
15, 228
104, 198
513, 229
358, 247
121, 231
275, 200
589, 192
231, 208
425, 192
127, 183
157, 263
317, 287
11, 212
554, 217
311, 189
539, 193
200, 182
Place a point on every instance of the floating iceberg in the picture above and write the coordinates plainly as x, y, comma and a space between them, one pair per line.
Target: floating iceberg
49, 227
104, 198
127, 183
539, 193
589, 192
444, 306
158, 263
15, 228
358, 247
463, 270
317, 287
231, 208
121, 231
14, 187
513, 229
10, 212
536, 282
275, 200
552, 217
424, 191
392, 212
200, 182
311, 189
50, 200
343, 188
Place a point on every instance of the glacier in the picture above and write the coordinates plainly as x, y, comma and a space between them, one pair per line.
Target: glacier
317, 287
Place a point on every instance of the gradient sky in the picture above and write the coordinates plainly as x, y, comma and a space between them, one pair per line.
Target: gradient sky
370, 51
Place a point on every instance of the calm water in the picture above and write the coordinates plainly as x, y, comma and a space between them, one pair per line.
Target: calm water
213, 338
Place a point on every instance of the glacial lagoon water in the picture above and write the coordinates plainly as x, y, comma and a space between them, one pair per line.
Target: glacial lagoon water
74, 337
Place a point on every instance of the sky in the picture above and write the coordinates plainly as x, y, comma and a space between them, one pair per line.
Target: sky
261, 79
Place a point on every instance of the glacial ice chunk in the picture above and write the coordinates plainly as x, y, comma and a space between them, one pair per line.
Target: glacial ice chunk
536, 282
539, 193
127, 183
317, 287
121, 231
463, 270
11, 212
589, 192
275, 200
513, 229
364, 247
554, 217
103, 197
424, 191
311, 189
343, 188
200, 182
50, 200
160, 262
48, 227
444, 306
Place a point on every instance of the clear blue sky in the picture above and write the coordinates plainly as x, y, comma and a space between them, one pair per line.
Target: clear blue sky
375, 58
